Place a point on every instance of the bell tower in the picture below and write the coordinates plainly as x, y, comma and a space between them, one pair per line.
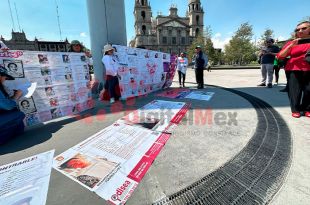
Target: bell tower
195, 14
143, 22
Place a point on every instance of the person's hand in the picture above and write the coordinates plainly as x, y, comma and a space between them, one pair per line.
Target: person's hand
295, 41
17, 94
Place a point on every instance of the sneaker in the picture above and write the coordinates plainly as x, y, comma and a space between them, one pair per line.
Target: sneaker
112, 100
262, 84
269, 85
307, 114
296, 114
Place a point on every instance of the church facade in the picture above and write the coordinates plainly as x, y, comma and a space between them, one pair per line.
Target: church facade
172, 33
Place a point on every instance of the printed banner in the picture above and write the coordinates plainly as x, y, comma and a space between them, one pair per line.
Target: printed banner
175, 93
26, 181
143, 71
55, 84
112, 162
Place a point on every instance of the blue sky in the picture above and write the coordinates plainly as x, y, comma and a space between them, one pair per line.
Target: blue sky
38, 17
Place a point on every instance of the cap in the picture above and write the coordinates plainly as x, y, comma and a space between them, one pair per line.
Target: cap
269, 40
107, 47
4, 72
198, 46
75, 42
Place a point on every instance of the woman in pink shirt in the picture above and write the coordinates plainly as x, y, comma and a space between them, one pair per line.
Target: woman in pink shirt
298, 70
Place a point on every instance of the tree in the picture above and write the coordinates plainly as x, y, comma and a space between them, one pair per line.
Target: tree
199, 40
268, 33
240, 50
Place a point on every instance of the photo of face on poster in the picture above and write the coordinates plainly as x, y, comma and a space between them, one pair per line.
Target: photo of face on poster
88, 170
83, 58
65, 58
54, 102
49, 91
14, 68
43, 58
45, 71
56, 113
27, 105
68, 77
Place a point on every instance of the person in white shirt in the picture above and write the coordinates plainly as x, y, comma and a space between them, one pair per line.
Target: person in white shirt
182, 63
111, 66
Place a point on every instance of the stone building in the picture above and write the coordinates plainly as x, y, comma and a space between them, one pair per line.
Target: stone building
172, 33
20, 42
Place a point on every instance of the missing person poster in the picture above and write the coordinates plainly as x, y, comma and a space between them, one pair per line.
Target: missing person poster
112, 162
26, 181
143, 71
54, 84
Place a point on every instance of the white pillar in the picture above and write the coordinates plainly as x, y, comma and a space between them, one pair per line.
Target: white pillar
107, 24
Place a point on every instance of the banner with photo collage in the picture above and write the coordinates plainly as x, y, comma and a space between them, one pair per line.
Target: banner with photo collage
143, 71
62, 81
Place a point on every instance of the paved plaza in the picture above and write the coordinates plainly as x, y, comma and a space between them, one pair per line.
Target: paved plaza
250, 151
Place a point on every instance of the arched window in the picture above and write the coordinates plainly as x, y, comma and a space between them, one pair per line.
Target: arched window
143, 29
193, 6
197, 20
142, 2
197, 32
143, 14
197, 7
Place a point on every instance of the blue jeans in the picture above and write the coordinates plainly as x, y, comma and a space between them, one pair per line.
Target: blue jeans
11, 124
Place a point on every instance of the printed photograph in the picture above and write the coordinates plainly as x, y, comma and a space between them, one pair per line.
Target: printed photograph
88, 170
14, 68
65, 58
54, 102
27, 105
43, 58
49, 91
56, 113
32, 119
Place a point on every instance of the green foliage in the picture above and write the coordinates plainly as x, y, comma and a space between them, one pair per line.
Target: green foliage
240, 50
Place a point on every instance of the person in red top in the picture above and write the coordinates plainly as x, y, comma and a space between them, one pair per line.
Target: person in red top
298, 70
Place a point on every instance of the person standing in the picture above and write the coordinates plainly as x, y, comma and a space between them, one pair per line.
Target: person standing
267, 56
11, 119
298, 70
199, 63
111, 66
182, 63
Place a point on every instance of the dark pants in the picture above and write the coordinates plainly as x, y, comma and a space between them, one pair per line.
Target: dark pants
199, 77
181, 76
299, 90
112, 85
276, 70
11, 124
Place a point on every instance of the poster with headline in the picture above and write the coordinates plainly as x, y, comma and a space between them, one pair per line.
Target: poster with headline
113, 161
54, 84
26, 181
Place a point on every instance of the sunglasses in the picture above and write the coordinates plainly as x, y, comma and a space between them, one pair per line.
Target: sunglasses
301, 29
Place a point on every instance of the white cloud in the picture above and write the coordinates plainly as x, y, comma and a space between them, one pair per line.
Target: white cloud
83, 34
218, 42
217, 35
281, 38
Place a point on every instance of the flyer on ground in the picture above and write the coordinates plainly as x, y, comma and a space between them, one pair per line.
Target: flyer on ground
26, 181
200, 95
113, 161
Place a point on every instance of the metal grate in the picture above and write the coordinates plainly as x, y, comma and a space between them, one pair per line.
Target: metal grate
254, 175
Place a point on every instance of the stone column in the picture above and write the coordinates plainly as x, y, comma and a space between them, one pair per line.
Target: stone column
107, 24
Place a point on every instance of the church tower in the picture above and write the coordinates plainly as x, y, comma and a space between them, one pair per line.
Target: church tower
143, 22
195, 14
